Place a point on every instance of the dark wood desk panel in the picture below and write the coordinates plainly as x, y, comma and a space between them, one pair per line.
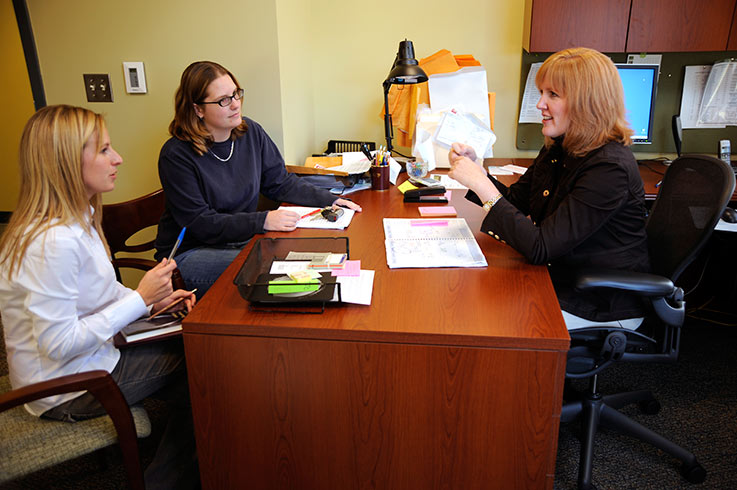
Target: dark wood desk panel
459, 390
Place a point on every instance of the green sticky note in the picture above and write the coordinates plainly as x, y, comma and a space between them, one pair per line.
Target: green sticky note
284, 287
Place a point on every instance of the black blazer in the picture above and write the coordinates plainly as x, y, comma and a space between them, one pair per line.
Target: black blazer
583, 212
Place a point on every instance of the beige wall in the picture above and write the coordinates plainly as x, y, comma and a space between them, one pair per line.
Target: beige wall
17, 104
312, 69
85, 36
341, 51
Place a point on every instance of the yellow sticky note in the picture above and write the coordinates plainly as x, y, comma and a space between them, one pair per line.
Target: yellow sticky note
406, 186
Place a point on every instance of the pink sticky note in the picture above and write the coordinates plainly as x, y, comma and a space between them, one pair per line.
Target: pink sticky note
437, 211
350, 268
429, 222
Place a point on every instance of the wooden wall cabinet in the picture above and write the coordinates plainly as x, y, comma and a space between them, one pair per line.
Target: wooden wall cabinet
679, 25
618, 26
552, 25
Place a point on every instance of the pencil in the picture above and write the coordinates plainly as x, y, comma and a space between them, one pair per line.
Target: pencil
170, 305
310, 213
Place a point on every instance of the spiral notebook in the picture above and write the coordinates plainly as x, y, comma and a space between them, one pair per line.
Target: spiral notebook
426, 243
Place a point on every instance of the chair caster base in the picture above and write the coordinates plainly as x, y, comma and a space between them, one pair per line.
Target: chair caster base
693, 473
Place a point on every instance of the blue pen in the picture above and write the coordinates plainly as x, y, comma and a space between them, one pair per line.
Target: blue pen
177, 243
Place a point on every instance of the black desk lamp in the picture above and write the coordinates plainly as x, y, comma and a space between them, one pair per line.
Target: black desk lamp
405, 71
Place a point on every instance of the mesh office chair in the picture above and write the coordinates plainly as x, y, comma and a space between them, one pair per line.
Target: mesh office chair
692, 197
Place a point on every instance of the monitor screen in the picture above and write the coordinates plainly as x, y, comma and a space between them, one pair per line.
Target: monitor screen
639, 83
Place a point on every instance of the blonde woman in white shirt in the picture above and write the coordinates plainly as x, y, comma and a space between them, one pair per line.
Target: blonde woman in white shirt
60, 302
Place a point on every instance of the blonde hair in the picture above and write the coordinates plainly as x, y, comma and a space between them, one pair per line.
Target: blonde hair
593, 91
52, 189
192, 90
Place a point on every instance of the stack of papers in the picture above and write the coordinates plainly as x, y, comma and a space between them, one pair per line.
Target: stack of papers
425, 243
356, 285
145, 328
317, 221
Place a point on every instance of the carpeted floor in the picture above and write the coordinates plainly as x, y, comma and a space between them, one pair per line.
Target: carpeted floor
699, 411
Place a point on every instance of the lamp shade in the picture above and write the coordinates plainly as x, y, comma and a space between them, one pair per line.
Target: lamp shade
405, 69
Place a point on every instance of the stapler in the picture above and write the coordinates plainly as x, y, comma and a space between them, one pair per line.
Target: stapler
431, 194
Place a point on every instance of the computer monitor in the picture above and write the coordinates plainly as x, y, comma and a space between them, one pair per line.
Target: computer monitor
640, 83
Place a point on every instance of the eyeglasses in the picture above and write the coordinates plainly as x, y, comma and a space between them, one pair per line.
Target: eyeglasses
225, 101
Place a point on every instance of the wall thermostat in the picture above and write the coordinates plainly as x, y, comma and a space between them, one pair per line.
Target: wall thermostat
135, 78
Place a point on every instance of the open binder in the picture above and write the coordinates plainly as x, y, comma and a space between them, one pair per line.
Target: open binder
255, 279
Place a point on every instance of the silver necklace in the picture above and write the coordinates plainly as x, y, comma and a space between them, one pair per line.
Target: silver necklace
232, 145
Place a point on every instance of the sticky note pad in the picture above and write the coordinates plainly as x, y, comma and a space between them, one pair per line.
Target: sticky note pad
350, 268
436, 211
283, 287
304, 276
406, 185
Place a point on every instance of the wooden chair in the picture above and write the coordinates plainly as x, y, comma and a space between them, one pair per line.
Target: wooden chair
120, 221
29, 444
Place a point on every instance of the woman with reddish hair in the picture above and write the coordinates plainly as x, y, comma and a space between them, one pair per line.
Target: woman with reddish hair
581, 203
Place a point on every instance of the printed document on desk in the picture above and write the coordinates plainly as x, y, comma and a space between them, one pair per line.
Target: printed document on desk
353, 289
317, 221
426, 243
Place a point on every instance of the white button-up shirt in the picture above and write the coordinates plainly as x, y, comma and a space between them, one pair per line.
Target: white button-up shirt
61, 310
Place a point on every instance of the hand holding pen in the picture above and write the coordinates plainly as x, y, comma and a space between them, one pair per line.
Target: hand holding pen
187, 296
156, 283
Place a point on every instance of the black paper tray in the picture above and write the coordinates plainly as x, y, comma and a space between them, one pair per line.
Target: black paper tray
253, 278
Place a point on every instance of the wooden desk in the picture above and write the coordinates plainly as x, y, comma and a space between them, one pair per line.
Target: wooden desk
651, 172
452, 378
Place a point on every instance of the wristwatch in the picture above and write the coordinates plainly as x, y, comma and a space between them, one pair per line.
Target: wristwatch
490, 203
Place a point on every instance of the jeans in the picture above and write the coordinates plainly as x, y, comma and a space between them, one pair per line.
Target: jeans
200, 267
150, 368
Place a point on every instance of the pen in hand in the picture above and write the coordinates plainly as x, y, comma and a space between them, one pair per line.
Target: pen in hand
177, 243
171, 305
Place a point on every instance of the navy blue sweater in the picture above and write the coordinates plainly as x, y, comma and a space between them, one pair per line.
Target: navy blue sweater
217, 200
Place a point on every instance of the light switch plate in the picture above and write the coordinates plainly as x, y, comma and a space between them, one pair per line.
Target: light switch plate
135, 78
97, 87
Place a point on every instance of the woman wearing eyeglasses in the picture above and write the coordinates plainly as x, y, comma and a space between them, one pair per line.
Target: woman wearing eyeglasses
212, 170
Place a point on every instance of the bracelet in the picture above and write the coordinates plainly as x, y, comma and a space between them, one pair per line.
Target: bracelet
490, 203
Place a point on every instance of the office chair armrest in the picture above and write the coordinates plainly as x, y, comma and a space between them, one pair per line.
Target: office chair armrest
644, 284
102, 386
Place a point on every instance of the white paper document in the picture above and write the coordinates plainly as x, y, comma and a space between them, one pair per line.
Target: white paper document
465, 90
426, 243
719, 102
356, 289
448, 182
317, 221
354, 162
694, 82
528, 112
494, 170
464, 128
507, 170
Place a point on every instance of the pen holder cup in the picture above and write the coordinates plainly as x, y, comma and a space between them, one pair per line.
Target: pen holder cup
379, 177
